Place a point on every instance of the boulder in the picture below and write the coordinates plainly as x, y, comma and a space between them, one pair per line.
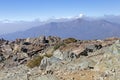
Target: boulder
90, 48
30, 40
26, 43
16, 49
69, 56
24, 49
93, 47
2, 58
58, 54
7, 48
64, 55
44, 63
42, 39
53, 40
47, 62
20, 56
115, 48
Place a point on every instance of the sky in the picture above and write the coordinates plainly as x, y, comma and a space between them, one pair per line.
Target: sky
45, 9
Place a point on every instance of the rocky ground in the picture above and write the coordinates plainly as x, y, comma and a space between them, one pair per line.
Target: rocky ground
53, 58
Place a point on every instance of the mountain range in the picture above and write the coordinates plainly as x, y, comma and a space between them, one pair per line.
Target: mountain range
80, 28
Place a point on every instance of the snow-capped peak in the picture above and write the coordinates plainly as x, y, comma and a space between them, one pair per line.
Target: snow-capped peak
79, 16
64, 18
71, 17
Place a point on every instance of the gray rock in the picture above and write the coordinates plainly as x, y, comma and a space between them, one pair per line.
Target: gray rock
54, 60
44, 63
47, 62
42, 39
89, 49
67, 55
115, 48
53, 39
58, 54
93, 47
15, 58
2, 58
29, 40
21, 56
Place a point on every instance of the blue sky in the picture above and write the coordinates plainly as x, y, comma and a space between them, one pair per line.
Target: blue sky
44, 9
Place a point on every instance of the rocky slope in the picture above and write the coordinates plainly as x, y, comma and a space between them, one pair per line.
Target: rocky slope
53, 58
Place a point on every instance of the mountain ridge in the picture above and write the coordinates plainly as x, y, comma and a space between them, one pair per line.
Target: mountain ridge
79, 28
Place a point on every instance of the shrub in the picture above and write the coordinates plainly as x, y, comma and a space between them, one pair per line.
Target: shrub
34, 62
69, 40
58, 45
37, 60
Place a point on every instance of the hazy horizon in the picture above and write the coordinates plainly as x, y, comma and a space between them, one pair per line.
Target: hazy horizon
22, 25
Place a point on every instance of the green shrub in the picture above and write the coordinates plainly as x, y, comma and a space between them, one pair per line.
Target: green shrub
69, 40
58, 45
34, 62
37, 60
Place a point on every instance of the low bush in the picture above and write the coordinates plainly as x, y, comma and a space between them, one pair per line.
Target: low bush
58, 45
34, 62
69, 40
37, 60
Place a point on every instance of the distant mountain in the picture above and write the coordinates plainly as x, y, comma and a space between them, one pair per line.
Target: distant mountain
112, 18
79, 28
